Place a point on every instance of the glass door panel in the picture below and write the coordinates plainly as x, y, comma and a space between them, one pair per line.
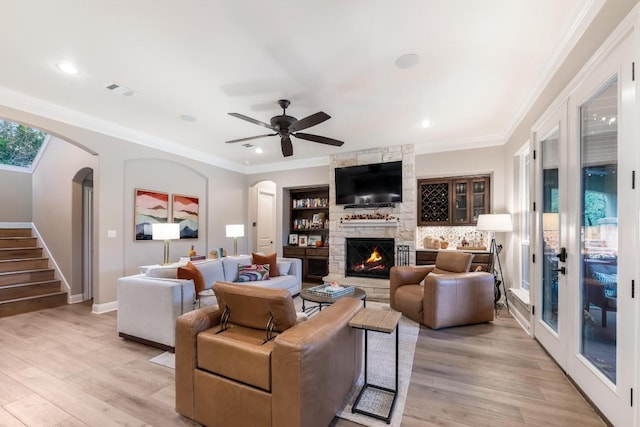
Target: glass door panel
599, 229
550, 229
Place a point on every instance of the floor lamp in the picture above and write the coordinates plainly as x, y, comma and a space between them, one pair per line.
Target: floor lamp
496, 223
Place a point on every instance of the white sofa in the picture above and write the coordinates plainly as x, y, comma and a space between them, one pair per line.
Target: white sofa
149, 303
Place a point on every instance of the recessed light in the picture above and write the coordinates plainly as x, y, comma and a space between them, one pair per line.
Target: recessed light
407, 61
188, 118
67, 67
259, 150
425, 123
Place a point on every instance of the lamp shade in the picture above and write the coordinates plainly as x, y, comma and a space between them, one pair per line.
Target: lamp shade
494, 222
165, 231
551, 221
235, 230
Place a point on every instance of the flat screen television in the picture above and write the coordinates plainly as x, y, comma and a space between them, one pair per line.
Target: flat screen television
377, 184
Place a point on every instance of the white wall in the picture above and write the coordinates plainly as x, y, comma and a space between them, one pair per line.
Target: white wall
15, 193
115, 175
479, 161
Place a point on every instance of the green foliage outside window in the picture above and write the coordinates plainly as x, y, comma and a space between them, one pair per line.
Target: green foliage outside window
19, 144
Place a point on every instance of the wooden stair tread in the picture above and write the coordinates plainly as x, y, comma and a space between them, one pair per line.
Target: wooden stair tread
34, 297
31, 270
17, 285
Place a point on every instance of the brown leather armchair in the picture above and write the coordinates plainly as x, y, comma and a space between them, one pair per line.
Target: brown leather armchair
449, 296
247, 362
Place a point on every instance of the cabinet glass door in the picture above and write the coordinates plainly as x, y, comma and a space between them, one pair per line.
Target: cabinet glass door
460, 191
479, 199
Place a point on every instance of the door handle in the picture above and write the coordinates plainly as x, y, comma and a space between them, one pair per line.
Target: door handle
562, 270
562, 256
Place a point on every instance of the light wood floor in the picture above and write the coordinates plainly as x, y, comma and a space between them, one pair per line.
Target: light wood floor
66, 367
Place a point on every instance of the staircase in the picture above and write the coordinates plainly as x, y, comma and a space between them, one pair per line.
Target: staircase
26, 281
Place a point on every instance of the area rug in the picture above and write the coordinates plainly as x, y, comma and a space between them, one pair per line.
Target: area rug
381, 371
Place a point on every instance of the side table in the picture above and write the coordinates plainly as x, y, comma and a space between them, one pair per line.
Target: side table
385, 321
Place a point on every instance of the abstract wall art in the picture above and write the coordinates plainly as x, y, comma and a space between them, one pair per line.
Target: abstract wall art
185, 213
151, 207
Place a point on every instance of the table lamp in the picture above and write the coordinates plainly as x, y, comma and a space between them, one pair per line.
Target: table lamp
496, 223
165, 231
235, 231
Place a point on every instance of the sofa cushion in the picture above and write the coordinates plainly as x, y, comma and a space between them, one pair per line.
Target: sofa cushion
267, 259
253, 272
162, 272
190, 271
284, 267
238, 353
212, 271
230, 264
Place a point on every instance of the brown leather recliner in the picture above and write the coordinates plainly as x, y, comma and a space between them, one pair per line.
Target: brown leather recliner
260, 368
450, 295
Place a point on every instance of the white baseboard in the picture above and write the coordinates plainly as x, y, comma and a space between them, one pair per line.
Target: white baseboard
74, 299
104, 308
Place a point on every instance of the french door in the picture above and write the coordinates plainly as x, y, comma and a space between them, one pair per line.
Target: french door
586, 228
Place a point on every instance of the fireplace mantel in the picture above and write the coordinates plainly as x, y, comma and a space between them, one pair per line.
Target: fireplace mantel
369, 223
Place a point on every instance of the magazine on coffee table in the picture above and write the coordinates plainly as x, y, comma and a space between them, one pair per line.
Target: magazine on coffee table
330, 291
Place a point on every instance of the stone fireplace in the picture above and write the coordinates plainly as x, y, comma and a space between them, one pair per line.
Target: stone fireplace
369, 257
399, 225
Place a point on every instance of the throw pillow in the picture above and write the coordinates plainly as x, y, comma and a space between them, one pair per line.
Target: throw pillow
253, 272
284, 267
267, 259
190, 271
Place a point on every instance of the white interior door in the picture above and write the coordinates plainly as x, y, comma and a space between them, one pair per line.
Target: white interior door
603, 233
266, 224
551, 313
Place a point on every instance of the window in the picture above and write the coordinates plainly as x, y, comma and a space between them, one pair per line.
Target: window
19, 144
522, 200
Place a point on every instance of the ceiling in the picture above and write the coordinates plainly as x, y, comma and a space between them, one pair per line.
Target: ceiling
481, 64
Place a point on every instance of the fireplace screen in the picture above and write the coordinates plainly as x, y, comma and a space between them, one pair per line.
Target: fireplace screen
369, 257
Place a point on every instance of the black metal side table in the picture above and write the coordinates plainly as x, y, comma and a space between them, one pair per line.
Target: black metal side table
385, 321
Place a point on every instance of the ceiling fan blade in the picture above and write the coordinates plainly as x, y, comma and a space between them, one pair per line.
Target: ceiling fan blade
250, 120
317, 138
249, 138
309, 121
287, 146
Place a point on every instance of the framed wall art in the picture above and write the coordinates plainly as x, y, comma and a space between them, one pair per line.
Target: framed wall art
151, 207
185, 213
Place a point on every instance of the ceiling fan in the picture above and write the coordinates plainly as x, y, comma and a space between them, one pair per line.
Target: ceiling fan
285, 126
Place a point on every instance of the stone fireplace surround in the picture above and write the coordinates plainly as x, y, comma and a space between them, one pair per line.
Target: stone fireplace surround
401, 230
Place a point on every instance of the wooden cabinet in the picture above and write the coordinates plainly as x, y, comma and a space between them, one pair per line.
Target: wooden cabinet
307, 223
315, 261
481, 259
453, 201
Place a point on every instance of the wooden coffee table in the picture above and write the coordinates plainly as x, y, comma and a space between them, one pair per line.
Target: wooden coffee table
308, 296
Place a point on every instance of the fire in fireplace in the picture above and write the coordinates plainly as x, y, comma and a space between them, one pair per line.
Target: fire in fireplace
368, 257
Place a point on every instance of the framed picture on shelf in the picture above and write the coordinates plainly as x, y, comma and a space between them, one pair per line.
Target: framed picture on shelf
293, 239
302, 240
313, 240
